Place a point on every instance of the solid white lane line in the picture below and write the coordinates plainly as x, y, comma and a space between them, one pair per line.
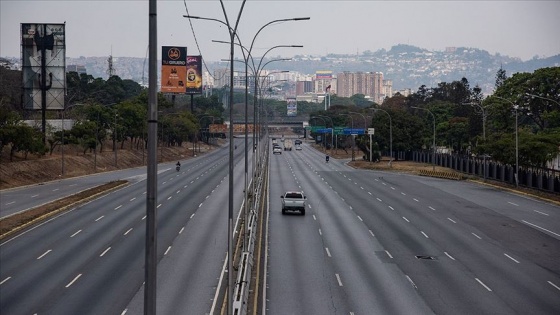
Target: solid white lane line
105, 251
541, 228
328, 252
338, 279
320, 232
167, 251
552, 284
360, 218
511, 203
451, 220
74, 280
508, 256
370, 232
76, 233
406, 219
477, 236
411, 282
125, 233
389, 254
426, 235
133, 199
44, 254
451, 257
541, 212
182, 229
482, 284
117, 208
3, 281
101, 217
432, 208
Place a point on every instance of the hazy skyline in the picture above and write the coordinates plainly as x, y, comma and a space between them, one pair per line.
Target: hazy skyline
521, 29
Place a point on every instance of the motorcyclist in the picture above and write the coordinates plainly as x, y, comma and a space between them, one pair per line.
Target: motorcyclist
327, 158
178, 166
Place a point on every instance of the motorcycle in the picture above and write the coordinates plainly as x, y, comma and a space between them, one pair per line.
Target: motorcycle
327, 159
178, 168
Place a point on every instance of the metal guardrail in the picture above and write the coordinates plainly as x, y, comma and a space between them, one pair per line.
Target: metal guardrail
245, 267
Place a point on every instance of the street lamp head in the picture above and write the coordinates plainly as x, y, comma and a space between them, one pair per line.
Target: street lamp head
297, 46
191, 17
302, 19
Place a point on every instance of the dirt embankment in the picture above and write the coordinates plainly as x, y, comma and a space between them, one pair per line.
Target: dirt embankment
35, 170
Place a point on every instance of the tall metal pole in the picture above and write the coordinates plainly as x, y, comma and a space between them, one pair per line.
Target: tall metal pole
516, 150
150, 267
390, 133
516, 108
434, 139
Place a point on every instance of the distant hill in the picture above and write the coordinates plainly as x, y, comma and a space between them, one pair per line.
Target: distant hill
408, 66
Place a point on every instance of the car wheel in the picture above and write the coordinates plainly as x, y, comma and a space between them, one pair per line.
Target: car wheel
283, 211
302, 211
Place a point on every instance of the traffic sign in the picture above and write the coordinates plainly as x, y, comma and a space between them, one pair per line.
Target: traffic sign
371, 131
355, 131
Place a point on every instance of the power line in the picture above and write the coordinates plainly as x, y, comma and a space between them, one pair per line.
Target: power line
198, 47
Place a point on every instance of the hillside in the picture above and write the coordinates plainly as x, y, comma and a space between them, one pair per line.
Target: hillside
34, 170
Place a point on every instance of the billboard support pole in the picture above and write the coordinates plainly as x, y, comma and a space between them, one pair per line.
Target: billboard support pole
44, 89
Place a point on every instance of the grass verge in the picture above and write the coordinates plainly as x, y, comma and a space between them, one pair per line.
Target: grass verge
14, 223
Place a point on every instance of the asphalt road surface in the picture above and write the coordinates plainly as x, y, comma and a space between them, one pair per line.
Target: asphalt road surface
387, 243
90, 259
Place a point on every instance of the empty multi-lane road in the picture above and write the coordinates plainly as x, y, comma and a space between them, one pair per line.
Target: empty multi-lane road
369, 243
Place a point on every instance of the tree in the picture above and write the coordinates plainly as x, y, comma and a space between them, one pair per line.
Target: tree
500, 78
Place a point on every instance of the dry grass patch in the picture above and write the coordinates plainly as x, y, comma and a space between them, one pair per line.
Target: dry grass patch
16, 222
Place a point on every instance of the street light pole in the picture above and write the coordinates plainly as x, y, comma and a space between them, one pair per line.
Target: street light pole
484, 117
434, 139
516, 108
390, 134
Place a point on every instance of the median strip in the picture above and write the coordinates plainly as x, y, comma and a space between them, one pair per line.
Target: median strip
14, 223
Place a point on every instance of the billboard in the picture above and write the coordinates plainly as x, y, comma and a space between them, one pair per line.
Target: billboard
194, 74
43, 48
292, 107
173, 69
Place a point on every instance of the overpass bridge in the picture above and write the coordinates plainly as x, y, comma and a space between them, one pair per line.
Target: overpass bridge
278, 121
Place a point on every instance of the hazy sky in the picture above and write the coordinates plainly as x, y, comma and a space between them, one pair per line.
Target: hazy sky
520, 29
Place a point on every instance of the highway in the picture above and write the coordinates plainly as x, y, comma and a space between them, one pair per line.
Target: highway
370, 243
90, 259
387, 243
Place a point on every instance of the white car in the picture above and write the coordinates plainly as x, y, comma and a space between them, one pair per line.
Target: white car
276, 150
298, 147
